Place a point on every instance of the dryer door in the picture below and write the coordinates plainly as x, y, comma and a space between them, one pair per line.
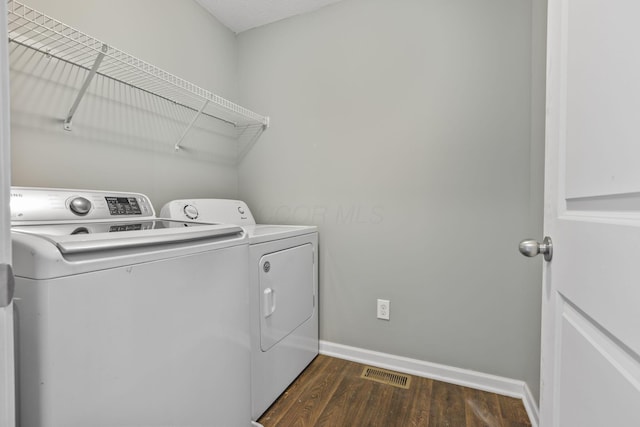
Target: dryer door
286, 293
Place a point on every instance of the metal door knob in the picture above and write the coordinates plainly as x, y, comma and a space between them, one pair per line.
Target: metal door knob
532, 248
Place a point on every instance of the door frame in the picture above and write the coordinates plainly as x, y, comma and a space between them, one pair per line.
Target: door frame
7, 370
555, 105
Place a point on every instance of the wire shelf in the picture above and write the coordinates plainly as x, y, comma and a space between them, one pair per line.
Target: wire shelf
38, 31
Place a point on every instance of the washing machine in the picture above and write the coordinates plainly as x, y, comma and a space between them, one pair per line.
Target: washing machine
283, 273
124, 319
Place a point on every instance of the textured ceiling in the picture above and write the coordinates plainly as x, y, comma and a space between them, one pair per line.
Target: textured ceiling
241, 15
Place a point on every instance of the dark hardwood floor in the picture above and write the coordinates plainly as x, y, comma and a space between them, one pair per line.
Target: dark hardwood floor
331, 393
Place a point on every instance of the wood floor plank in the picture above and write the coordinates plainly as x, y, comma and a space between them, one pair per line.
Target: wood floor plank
280, 407
481, 409
312, 404
376, 412
447, 406
412, 405
343, 407
308, 395
330, 393
512, 410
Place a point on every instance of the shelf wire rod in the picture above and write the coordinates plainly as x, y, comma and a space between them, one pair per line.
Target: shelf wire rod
140, 80
68, 38
81, 58
55, 42
189, 87
160, 106
69, 49
110, 77
190, 125
19, 27
86, 42
85, 86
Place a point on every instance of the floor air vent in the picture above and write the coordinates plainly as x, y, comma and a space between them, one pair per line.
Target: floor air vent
386, 377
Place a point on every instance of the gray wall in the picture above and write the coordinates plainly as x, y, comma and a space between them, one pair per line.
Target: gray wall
411, 133
123, 139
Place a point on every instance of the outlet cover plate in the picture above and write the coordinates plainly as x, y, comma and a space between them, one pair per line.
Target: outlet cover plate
383, 309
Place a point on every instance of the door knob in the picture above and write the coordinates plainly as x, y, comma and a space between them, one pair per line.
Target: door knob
532, 248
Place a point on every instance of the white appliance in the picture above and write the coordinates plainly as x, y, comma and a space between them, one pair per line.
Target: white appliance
283, 272
124, 319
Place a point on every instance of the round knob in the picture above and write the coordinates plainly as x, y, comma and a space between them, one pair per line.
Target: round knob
80, 206
190, 211
532, 248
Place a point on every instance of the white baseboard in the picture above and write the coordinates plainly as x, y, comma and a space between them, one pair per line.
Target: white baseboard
450, 374
531, 406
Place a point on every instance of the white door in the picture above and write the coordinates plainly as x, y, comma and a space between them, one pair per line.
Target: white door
7, 397
591, 305
286, 288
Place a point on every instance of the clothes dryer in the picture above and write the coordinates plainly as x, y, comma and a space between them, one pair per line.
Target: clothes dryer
283, 273
124, 319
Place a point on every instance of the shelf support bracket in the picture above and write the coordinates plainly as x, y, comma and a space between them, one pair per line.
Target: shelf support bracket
190, 125
85, 86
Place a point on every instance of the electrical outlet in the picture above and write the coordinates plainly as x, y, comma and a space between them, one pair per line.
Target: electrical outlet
383, 309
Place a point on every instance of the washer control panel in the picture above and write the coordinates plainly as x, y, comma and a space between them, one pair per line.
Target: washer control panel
123, 205
62, 205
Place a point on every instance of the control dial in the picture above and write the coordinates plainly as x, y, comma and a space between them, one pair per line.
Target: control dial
190, 211
80, 206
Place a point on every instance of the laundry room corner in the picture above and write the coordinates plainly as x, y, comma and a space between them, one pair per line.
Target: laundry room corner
407, 137
412, 135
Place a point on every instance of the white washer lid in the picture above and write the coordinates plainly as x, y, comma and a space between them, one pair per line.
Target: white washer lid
94, 237
47, 254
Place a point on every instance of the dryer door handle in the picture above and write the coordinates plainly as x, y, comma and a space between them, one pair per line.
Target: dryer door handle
269, 302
